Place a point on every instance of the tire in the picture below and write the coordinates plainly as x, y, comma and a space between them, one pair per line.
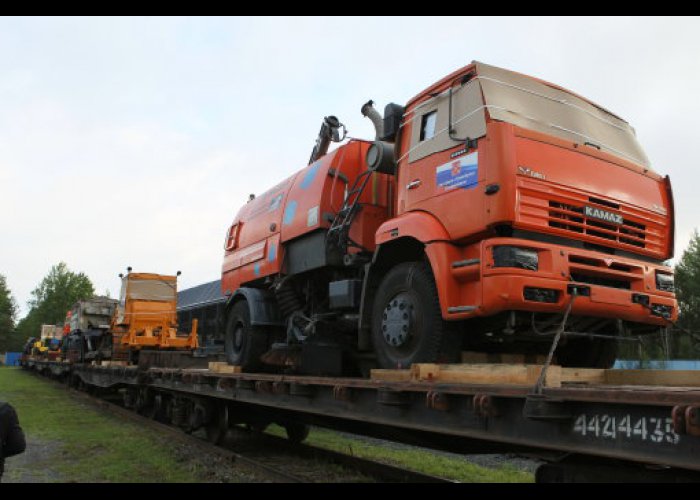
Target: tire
587, 353
407, 324
244, 344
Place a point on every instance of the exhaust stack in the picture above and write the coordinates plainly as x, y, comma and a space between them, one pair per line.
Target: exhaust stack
371, 113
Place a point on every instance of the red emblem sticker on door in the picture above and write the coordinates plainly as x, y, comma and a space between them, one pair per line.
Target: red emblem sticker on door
460, 173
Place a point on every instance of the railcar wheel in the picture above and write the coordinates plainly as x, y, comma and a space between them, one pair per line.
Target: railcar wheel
130, 397
296, 433
159, 410
407, 324
218, 425
144, 401
244, 343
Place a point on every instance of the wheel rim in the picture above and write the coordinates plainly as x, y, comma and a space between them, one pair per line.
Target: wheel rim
398, 321
235, 339
238, 335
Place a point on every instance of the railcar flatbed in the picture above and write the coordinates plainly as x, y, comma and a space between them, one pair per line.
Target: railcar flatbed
608, 425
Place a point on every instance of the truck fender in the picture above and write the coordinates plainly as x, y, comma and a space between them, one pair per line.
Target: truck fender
262, 306
414, 232
420, 226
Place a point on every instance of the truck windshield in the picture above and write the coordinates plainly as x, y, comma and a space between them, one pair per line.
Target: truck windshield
531, 104
156, 290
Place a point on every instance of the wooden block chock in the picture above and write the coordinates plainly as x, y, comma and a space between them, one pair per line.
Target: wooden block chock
110, 362
666, 378
221, 367
390, 375
489, 373
527, 375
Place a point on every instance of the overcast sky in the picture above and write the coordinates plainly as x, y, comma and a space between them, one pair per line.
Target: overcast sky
133, 141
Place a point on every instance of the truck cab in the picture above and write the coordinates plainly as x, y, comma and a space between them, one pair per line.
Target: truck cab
532, 194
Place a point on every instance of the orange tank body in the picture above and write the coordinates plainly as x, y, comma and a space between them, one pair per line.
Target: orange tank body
301, 204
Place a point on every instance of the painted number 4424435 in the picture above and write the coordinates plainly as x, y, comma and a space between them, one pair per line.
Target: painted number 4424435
652, 429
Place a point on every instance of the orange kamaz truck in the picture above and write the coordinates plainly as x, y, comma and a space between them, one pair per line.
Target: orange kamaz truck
486, 207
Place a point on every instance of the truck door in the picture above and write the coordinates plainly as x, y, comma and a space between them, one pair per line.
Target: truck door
441, 175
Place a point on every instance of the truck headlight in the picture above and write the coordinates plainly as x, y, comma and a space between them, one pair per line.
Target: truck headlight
507, 256
664, 282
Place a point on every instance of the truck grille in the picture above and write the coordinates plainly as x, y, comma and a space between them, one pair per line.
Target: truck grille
561, 211
570, 218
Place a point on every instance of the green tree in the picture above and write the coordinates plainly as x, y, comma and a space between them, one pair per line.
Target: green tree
8, 311
687, 279
53, 297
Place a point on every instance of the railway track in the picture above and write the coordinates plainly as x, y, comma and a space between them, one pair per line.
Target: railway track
276, 459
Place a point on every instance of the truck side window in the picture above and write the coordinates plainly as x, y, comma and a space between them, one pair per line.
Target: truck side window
427, 126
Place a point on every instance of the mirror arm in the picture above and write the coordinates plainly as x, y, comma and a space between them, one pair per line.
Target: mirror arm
468, 141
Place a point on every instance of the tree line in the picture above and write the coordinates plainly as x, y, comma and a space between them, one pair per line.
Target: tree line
50, 300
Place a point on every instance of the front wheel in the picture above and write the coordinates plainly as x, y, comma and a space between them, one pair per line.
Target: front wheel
407, 324
244, 343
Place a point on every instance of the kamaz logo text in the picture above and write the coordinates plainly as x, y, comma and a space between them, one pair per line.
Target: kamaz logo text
530, 173
597, 213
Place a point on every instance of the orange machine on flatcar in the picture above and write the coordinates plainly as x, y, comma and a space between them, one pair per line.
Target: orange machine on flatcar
146, 314
486, 207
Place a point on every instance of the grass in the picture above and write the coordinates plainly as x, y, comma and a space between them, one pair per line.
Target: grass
418, 459
86, 445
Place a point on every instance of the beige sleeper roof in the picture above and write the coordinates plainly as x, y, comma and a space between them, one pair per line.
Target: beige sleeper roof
532, 104
528, 103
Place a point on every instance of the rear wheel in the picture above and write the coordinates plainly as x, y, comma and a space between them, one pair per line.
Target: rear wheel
407, 324
244, 343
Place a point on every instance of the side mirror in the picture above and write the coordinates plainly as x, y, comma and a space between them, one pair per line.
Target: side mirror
393, 114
